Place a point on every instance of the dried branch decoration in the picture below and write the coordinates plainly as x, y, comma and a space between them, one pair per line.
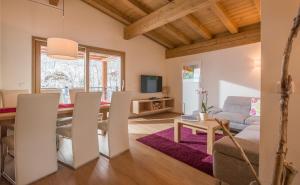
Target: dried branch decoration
284, 172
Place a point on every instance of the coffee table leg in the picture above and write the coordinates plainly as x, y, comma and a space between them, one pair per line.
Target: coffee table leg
177, 131
210, 140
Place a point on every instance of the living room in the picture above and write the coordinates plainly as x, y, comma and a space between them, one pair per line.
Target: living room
232, 50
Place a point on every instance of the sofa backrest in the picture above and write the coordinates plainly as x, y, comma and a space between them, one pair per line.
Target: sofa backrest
237, 104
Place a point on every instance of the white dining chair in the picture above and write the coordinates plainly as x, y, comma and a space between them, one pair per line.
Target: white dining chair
113, 137
82, 131
73, 92
9, 97
1, 99
54, 90
33, 142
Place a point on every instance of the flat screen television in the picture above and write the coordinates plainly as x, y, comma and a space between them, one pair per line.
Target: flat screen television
151, 84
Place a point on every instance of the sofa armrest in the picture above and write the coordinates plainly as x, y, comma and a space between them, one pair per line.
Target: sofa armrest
227, 147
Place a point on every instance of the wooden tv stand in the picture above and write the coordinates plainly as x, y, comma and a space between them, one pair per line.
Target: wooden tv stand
151, 106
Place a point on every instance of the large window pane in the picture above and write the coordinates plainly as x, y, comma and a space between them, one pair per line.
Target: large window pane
62, 74
105, 74
104, 71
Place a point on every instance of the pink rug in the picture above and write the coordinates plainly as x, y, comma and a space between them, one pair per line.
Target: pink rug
191, 149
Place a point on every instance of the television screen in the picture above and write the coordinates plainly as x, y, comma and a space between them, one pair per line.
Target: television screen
151, 84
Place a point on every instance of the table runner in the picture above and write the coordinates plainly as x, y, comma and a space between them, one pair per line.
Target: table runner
60, 106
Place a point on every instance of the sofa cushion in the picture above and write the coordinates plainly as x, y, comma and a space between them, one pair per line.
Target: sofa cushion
237, 127
250, 133
227, 147
255, 107
237, 104
252, 120
232, 117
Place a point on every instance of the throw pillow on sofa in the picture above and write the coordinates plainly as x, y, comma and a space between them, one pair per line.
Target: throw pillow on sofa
255, 107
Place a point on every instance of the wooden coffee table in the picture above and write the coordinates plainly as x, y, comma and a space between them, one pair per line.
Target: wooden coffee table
209, 126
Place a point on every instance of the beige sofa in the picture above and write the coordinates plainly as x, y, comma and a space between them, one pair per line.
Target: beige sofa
236, 109
228, 164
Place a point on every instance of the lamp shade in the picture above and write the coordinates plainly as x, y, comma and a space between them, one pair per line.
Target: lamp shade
62, 48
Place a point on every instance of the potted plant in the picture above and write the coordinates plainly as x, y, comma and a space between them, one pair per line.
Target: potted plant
204, 108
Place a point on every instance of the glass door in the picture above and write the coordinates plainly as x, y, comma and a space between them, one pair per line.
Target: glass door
105, 74
190, 88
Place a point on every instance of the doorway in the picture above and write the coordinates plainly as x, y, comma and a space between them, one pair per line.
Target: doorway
190, 88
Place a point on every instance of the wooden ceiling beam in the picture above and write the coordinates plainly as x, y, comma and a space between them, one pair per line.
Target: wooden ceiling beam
257, 5
138, 6
217, 8
247, 35
53, 2
170, 29
158, 39
108, 10
164, 15
195, 24
115, 14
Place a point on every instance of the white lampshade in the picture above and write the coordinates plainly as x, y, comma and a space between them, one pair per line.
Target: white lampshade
62, 48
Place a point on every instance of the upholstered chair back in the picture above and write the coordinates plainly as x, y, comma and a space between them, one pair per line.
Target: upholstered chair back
116, 139
73, 92
9, 97
84, 128
35, 145
53, 90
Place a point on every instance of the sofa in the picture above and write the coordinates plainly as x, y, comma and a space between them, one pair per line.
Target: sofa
236, 109
228, 164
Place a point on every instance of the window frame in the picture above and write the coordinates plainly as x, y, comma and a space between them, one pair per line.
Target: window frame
37, 42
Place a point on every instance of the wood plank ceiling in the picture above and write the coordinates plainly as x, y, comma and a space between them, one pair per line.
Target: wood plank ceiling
186, 27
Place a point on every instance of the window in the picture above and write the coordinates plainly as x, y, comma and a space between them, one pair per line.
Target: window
94, 70
105, 74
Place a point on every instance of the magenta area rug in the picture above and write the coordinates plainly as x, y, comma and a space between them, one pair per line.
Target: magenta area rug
191, 149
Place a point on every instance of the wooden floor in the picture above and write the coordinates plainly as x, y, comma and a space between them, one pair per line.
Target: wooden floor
141, 165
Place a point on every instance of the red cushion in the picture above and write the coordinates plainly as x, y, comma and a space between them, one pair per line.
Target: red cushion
7, 110
65, 106
61, 106
104, 103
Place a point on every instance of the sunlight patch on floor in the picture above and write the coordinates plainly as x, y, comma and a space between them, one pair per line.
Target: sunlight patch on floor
146, 129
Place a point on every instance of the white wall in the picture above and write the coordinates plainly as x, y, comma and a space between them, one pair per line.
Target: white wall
277, 19
22, 19
228, 72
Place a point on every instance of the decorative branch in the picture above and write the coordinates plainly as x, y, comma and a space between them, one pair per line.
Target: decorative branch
243, 154
290, 173
282, 172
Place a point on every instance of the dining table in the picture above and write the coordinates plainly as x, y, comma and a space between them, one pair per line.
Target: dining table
7, 115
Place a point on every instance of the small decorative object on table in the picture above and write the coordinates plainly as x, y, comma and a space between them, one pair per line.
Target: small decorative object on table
165, 91
204, 108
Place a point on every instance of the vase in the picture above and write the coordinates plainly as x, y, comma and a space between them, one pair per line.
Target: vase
203, 116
